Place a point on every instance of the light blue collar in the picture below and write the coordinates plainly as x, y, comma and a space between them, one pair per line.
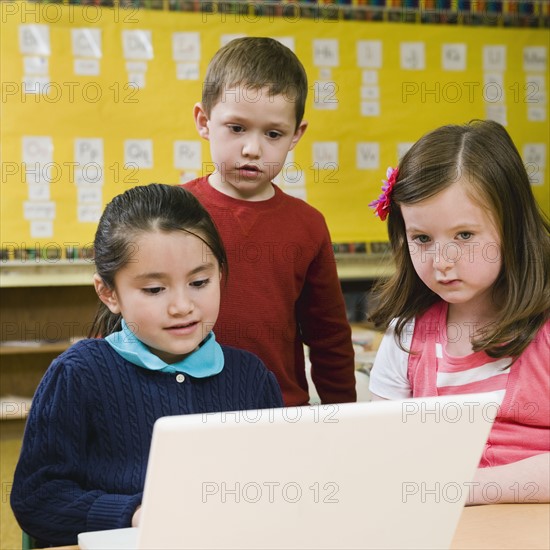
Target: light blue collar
207, 360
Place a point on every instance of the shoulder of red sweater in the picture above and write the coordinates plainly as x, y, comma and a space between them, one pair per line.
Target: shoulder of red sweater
197, 183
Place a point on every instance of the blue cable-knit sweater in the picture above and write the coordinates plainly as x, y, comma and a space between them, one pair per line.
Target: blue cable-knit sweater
86, 443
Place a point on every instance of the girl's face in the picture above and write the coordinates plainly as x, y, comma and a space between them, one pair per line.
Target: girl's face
168, 293
455, 247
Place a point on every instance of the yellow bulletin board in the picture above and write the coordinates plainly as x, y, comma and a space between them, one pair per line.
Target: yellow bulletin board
97, 100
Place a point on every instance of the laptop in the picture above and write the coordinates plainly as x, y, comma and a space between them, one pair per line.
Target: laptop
385, 474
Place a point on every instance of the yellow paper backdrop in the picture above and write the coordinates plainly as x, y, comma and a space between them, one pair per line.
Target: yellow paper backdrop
410, 102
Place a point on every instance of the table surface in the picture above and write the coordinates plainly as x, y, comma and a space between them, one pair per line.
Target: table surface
502, 526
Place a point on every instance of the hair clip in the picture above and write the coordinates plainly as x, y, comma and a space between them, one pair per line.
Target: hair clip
381, 205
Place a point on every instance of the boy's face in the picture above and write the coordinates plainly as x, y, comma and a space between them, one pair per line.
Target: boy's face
250, 134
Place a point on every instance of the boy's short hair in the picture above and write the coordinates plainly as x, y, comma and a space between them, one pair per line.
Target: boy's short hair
256, 62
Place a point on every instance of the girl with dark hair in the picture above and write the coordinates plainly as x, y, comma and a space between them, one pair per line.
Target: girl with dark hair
159, 263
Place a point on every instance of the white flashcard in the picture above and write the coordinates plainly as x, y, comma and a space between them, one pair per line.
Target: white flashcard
498, 113
37, 149
138, 153
88, 213
86, 42
453, 57
35, 64
288, 165
370, 92
89, 174
43, 173
34, 173
370, 108
402, 148
535, 153
297, 192
34, 84
137, 44
136, 80
325, 52
493, 88
534, 90
368, 155
534, 83
325, 152
535, 175
287, 41
39, 192
187, 154
493, 78
536, 113
535, 58
186, 46
187, 71
88, 150
535, 95
278, 179
39, 210
494, 58
136, 66
34, 39
226, 38
413, 56
293, 178
324, 95
325, 73
369, 77
369, 54
87, 67
90, 193
41, 229
534, 159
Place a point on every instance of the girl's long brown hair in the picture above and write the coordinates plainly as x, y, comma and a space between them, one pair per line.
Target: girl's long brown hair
482, 154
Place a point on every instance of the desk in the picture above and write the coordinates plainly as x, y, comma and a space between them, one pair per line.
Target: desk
502, 526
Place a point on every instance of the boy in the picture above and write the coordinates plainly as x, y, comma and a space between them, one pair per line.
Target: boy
283, 289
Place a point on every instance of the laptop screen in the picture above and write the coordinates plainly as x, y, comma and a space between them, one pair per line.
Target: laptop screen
388, 474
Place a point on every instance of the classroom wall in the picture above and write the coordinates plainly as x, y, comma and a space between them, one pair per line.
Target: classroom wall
97, 100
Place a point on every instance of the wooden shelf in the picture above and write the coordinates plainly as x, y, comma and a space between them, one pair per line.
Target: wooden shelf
17, 347
39, 322
355, 267
32, 273
43, 273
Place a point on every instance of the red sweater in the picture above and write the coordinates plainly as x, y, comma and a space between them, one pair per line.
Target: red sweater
282, 292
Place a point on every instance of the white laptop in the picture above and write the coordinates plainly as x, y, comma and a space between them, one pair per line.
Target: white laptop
387, 474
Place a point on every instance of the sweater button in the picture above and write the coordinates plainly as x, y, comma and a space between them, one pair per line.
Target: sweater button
180, 378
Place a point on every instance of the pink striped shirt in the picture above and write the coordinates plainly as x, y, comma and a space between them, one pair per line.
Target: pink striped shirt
522, 425
470, 374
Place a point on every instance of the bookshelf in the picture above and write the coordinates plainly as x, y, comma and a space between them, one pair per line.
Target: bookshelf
45, 308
